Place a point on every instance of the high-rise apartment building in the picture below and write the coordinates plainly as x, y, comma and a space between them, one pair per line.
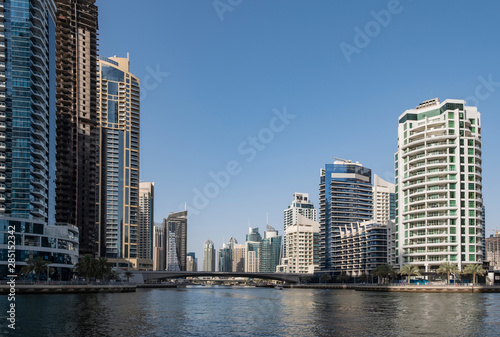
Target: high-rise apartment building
118, 165
27, 110
363, 247
28, 138
252, 250
439, 185
77, 122
159, 258
270, 251
384, 200
146, 221
191, 262
208, 256
303, 242
175, 227
225, 258
301, 204
345, 197
493, 251
238, 257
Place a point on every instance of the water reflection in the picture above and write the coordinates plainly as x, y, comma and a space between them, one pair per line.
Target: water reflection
223, 311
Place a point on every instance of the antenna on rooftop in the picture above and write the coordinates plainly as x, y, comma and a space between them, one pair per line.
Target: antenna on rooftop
344, 160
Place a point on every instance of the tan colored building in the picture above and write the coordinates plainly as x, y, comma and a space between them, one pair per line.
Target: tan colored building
118, 107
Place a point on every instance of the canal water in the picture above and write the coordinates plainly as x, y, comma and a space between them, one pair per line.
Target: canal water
232, 311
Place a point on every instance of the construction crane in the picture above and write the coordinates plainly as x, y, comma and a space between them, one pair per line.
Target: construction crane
344, 160
493, 230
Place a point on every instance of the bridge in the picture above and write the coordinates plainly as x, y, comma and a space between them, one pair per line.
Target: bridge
143, 276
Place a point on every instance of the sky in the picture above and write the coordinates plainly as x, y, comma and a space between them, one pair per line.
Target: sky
243, 102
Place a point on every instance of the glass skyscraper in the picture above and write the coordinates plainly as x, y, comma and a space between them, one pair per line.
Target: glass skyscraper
118, 95
345, 197
28, 138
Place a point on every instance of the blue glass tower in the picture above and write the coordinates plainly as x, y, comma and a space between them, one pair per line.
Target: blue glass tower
27, 95
345, 197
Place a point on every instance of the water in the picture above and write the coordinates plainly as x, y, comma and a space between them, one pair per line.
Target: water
226, 311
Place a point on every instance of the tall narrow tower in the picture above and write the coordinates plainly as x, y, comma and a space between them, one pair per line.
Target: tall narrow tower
146, 221
345, 197
77, 126
118, 109
439, 185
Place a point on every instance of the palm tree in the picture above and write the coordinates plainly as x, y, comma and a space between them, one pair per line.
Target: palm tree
447, 268
474, 270
38, 265
409, 270
128, 275
342, 277
384, 271
103, 268
325, 277
86, 267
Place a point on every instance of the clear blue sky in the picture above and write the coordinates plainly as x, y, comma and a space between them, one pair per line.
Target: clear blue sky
229, 69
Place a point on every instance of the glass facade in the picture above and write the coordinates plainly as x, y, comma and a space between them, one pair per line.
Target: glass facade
118, 182
345, 198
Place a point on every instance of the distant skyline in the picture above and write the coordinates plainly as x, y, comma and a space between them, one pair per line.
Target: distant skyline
218, 82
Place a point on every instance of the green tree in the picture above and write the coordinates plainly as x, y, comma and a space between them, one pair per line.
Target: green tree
364, 277
325, 277
409, 270
384, 271
128, 275
87, 267
474, 270
38, 265
103, 268
342, 277
447, 268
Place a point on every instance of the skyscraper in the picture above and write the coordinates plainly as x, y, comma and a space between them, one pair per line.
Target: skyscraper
159, 258
301, 204
270, 251
225, 258
439, 185
345, 197
77, 125
252, 248
191, 262
238, 258
118, 166
303, 243
146, 221
208, 256
28, 111
175, 227
384, 200
28, 139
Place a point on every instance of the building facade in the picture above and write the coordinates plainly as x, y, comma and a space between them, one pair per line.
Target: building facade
77, 123
146, 222
175, 233
191, 262
345, 197
270, 251
493, 251
159, 258
28, 139
118, 110
303, 241
252, 250
208, 256
363, 247
301, 204
439, 185
238, 257
384, 200
225, 258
